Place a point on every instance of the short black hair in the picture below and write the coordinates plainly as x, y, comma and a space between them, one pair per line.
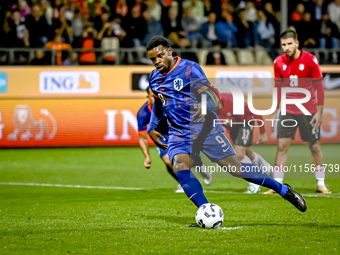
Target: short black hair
156, 41
289, 34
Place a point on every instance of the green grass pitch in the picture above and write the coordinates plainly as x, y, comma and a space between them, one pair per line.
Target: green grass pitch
153, 219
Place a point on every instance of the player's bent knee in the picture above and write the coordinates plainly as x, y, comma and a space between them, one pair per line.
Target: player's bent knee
283, 148
315, 148
181, 162
283, 145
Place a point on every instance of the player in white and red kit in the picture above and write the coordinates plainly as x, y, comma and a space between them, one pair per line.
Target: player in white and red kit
298, 68
241, 133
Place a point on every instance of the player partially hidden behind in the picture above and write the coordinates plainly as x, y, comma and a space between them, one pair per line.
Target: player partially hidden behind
298, 68
242, 136
178, 96
143, 119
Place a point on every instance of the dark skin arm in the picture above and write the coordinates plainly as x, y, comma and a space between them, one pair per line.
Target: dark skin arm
199, 114
157, 110
155, 137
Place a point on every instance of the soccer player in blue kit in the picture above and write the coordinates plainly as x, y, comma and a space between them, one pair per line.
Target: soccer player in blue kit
143, 119
178, 85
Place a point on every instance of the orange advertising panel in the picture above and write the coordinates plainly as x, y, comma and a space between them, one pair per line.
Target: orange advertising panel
105, 122
69, 122
70, 82
125, 81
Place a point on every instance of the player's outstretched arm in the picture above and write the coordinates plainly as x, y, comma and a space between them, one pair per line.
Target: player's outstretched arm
201, 84
317, 118
143, 143
156, 115
211, 106
320, 91
278, 84
156, 136
198, 114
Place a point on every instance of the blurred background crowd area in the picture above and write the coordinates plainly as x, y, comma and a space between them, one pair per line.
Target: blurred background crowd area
212, 32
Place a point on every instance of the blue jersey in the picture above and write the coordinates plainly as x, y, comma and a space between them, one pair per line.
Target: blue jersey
143, 119
178, 91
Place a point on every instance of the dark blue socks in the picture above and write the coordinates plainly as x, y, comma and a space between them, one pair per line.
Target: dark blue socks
192, 187
255, 175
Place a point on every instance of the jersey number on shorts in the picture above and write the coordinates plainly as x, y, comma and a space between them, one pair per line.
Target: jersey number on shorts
221, 141
315, 133
245, 135
293, 80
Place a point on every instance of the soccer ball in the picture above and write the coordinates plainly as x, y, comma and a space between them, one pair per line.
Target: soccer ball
209, 215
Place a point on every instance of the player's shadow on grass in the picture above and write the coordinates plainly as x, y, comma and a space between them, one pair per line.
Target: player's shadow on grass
187, 220
285, 224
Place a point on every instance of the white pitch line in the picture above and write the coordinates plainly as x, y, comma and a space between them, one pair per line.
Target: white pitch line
222, 192
69, 186
230, 228
335, 195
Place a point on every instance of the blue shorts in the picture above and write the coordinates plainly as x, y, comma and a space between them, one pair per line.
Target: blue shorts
215, 147
161, 151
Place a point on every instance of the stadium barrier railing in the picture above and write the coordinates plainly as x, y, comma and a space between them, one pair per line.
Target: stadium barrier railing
133, 56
